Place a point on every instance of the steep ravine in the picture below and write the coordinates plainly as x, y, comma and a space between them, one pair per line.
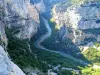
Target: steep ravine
17, 15
82, 19
48, 34
22, 18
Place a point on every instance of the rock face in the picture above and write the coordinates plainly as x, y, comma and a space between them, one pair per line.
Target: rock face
7, 67
23, 18
90, 15
85, 16
82, 19
19, 14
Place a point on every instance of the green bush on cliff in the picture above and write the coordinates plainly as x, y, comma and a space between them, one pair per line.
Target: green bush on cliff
66, 72
53, 58
93, 55
76, 2
90, 71
66, 45
20, 53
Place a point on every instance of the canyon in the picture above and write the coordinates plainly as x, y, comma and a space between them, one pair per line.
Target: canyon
70, 29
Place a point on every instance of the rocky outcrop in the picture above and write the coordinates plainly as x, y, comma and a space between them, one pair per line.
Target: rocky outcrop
7, 67
84, 16
22, 18
90, 15
19, 14
79, 19
63, 32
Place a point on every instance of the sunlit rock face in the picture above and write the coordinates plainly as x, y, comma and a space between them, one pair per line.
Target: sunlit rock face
85, 16
90, 13
21, 15
82, 19
7, 67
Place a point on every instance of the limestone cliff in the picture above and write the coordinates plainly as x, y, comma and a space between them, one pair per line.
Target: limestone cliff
82, 19
23, 18
83, 16
7, 67
19, 14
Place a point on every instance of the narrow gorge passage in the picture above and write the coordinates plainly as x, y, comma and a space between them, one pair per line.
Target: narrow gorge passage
47, 35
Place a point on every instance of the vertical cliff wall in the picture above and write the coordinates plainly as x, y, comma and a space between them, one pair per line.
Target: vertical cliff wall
22, 18
82, 17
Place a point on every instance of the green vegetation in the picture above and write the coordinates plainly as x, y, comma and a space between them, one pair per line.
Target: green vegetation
20, 53
52, 20
77, 2
0, 40
64, 46
55, 43
90, 71
66, 72
53, 58
93, 54
97, 44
